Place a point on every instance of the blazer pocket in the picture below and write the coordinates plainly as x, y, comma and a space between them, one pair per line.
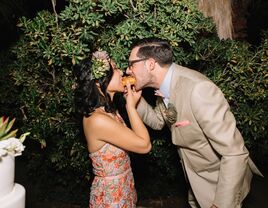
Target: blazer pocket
203, 159
182, 123
191, 135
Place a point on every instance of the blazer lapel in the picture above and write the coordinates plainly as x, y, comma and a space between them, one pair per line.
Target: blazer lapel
173, 91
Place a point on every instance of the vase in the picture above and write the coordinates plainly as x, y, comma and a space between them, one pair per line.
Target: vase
12, 195
7, 174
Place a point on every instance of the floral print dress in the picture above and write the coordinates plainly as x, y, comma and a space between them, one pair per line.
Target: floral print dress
113, 185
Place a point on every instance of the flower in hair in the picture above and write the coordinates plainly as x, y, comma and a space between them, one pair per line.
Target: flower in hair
100, 64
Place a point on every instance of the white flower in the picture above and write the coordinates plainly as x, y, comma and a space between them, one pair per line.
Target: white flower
101, 55
11, 145
2, 152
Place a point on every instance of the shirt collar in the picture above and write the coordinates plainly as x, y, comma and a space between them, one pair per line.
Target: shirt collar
165, 85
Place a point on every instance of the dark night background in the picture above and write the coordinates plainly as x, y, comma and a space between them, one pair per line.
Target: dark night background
255, 15
12, 10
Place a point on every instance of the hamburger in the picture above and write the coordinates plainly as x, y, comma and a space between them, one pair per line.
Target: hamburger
128, 79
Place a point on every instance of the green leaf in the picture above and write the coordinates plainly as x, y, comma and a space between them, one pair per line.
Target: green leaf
9, 126
9, 135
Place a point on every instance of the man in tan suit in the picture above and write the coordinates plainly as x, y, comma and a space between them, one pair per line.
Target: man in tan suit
212, 150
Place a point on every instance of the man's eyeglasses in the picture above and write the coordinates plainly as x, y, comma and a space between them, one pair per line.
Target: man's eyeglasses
130, 63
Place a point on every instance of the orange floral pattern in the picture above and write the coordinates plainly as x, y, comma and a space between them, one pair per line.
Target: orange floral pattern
113, 185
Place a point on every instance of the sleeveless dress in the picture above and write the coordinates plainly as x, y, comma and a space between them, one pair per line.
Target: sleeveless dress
113, 184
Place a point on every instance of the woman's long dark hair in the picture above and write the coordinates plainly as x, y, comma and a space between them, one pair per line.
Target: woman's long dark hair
87, 95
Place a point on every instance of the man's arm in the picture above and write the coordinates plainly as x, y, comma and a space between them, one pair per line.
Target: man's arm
150, 116
218, 123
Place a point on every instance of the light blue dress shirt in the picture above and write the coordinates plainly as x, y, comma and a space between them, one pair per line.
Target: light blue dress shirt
165, 85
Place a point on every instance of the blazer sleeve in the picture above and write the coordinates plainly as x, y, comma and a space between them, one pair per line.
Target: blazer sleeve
150, 116
213, 114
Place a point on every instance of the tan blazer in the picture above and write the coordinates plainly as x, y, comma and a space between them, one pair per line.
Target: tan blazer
212, 149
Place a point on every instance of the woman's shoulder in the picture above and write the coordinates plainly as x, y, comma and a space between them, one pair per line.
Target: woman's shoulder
94, 126
97, 118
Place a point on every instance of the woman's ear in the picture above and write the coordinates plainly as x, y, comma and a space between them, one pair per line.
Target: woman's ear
97, 84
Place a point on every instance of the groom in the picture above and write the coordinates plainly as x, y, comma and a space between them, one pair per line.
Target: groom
214, 157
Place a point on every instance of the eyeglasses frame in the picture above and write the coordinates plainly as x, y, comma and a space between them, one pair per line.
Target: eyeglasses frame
130, 63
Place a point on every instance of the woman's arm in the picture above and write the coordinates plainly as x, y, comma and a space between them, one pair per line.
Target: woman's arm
101, 127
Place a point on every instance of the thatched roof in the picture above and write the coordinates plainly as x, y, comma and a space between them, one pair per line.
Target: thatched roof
221, 13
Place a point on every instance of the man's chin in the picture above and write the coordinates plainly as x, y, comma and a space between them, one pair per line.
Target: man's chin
137, 87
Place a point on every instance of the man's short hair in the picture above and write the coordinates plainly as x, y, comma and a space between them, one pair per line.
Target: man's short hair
156, 48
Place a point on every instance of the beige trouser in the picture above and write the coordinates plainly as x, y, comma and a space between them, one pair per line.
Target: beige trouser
192, 200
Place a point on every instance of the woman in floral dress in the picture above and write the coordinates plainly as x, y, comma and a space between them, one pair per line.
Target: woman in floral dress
107, 136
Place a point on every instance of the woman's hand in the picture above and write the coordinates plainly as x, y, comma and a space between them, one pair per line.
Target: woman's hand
132, 96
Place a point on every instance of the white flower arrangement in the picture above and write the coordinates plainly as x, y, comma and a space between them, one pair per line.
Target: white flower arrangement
9, 144
12, 146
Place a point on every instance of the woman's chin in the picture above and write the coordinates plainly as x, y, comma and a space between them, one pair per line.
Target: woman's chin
121, 89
